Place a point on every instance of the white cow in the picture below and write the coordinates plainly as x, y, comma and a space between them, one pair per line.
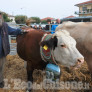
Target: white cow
65, 51
82, 32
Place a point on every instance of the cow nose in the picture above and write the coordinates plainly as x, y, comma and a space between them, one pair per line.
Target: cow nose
80, 60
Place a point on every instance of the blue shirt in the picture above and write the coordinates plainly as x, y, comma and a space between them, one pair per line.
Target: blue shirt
11, 31
53, 28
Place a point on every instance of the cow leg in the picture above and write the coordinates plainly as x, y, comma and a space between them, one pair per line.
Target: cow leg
29, 76
30, 80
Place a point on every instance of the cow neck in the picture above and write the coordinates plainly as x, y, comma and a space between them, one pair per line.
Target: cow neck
47, 55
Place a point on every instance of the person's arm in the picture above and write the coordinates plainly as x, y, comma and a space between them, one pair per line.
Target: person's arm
13, 31
52, 29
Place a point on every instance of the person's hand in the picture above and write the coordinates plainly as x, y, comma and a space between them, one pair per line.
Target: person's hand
24, 30
27, 29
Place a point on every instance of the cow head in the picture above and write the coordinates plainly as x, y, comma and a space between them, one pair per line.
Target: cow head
64, 49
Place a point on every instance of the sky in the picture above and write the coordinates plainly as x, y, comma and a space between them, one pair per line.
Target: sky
40, 8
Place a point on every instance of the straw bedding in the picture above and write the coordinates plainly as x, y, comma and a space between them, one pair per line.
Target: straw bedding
14, 69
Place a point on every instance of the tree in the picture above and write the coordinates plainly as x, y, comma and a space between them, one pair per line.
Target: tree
44, 22
36, 19
5, 17
20, 19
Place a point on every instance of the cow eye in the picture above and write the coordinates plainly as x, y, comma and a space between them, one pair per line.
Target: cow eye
63, 46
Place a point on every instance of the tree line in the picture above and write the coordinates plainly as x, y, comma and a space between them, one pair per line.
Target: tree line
21, 19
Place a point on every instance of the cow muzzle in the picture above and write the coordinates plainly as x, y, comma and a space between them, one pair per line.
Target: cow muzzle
79, 62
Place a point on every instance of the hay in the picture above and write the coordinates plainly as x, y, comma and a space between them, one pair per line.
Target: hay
14, 68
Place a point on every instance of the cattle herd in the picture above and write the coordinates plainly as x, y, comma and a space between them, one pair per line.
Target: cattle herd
71, 45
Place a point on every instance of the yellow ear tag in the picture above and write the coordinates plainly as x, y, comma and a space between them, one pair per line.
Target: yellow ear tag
45, 47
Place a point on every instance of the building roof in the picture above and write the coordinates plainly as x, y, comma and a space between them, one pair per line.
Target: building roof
74, 18
47, 18
70, 16
10, 15
87, 2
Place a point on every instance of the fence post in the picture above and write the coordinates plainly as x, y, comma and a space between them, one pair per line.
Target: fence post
9, 39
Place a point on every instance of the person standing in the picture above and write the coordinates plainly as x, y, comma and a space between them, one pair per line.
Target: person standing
48, 26
40, 28
54, 26
5, 30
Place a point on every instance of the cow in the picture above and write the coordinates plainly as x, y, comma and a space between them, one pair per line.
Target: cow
82, 33
61, 43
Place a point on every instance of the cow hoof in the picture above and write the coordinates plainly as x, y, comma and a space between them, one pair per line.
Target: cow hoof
28, 90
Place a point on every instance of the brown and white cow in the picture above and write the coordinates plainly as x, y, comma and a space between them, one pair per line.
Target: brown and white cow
82, 32
62, 44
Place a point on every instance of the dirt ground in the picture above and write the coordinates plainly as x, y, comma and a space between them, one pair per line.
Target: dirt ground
14, 69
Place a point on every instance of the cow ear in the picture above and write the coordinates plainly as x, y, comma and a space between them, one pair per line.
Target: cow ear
51, 43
